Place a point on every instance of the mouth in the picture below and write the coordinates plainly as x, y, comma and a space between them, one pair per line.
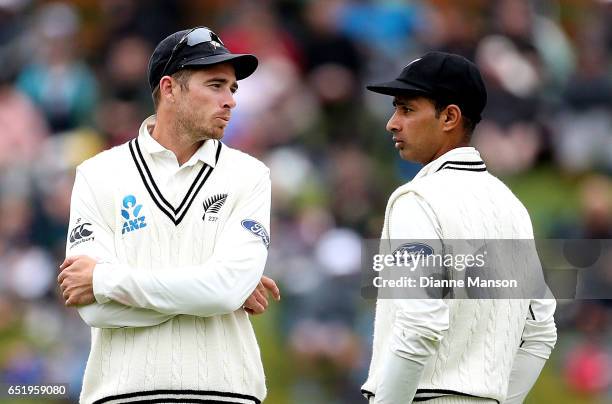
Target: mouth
224, 118
399, 144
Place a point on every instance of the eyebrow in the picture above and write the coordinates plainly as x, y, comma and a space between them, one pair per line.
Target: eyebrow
397, 102
404, 103
233, 87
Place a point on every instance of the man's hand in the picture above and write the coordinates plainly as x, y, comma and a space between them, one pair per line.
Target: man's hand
76, 280
257, 303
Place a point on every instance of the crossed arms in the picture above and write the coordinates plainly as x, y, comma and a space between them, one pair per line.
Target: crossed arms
109, 294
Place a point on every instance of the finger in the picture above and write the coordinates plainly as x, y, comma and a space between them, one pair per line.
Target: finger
61, 277
262, 289
255, 308
271, 286
262, 300
252, 304
79, 301
64, 264
69, 261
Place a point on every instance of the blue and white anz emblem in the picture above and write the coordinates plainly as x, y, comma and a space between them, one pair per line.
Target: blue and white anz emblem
257, 229
131, 212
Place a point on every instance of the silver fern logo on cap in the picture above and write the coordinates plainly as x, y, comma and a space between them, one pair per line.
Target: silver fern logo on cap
213, 205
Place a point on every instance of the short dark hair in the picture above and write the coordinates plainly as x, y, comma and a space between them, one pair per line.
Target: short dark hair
469, 124
182, 77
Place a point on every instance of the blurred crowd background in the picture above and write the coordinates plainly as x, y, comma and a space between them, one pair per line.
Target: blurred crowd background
73, 82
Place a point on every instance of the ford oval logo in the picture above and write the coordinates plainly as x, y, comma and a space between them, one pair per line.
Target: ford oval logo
414, 249
257, 229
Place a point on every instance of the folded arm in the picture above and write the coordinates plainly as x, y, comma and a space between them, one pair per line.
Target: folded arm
222, 284
219, 285
90, 234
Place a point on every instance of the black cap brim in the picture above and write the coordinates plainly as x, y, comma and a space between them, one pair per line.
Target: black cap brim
244, 64
396, 87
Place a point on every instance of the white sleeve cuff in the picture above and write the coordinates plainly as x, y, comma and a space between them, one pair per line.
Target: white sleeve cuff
101, 275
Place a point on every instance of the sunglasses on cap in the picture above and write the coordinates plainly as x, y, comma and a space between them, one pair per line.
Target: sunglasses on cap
194, 37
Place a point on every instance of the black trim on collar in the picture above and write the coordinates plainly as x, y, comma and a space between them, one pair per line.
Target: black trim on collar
466, 169
176, 215
467, 166
367, 394
170, 396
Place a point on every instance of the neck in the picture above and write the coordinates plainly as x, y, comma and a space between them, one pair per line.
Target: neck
450, 146
175, 139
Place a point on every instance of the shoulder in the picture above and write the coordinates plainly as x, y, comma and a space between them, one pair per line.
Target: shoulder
106, 164
242, 164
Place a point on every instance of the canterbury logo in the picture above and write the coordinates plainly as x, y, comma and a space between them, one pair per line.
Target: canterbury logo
79, 232
214, 203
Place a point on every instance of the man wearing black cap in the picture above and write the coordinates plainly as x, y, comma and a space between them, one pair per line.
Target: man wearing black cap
445, 350
168, 241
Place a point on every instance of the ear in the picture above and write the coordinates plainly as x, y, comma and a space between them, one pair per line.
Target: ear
167, 89
451, 117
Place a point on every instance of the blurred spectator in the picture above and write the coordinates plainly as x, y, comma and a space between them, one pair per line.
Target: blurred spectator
589, 369
126, 96
23, 128
584, 126
59, 83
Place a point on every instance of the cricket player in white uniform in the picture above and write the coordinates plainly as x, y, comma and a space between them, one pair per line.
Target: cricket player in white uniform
169, 235
445, 350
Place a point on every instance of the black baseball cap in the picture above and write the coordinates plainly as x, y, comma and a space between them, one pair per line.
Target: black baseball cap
194, 47
444, 77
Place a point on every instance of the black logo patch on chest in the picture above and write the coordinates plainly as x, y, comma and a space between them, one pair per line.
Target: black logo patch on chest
213, 205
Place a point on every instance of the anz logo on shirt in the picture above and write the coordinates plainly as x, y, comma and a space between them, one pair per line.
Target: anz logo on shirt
131, 213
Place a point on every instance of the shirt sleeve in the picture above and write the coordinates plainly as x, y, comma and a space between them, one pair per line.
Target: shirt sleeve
419, 323
219, 285
537, 342
91, 235
540, 333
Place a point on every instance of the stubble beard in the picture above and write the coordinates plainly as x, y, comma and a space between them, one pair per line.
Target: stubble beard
195, 130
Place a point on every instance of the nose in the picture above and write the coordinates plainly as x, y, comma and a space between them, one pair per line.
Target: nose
393, 125
228, 100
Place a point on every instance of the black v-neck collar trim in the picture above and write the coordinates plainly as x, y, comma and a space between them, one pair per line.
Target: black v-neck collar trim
477, 166
176, 215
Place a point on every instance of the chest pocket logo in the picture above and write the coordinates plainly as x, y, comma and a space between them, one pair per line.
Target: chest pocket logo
212, 206
131, 213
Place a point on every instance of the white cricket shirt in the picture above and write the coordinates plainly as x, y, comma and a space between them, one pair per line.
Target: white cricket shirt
179, 250
467, 347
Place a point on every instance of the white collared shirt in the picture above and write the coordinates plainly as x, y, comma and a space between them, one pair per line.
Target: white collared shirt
421, 222
168, 173
179, 250
462, 202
